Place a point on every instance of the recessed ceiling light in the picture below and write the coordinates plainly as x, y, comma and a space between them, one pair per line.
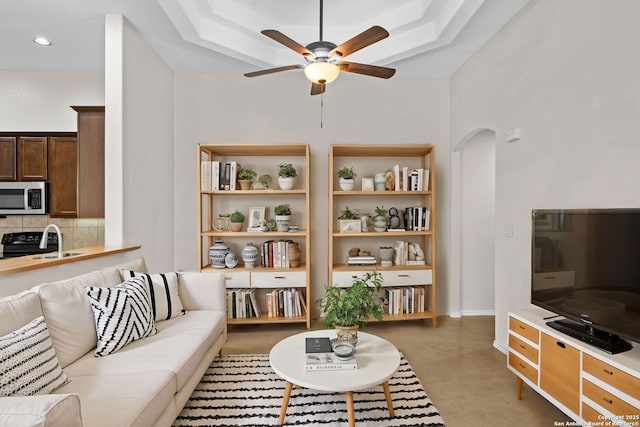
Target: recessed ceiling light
42, 41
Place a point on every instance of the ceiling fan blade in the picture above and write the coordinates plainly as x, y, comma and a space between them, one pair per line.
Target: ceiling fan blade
288, 42
317, 88
369, 70
362, 40
272, 70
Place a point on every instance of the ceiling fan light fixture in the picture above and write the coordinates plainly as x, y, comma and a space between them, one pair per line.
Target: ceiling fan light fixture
321, 72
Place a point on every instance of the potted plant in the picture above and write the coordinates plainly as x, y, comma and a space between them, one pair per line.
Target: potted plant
286, 176
265, 181
381, 220
348, 221
236, 220
346, 175
245, 178
283, 216
347, 309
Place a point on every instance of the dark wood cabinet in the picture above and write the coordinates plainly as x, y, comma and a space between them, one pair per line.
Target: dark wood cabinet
90, 161
8, 158
63, 177
32, 158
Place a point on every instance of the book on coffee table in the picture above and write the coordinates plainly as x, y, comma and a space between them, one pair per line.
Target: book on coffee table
319, 356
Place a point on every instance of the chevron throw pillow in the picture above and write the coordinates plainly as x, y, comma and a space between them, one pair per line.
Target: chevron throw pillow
122, 314
163, 293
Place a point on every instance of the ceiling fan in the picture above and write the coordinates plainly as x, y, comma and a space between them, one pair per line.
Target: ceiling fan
324, 59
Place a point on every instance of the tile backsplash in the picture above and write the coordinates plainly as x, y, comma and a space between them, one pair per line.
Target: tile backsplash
76, 232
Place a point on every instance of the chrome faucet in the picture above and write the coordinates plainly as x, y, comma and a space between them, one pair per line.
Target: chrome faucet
45, 238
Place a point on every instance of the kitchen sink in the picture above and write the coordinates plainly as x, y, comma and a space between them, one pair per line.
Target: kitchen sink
54, 256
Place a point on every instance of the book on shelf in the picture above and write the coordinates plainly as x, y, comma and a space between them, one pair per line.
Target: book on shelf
242, 304
405, 299
319, 356
285, 303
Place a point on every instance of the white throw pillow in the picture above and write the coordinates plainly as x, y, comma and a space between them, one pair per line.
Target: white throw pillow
28, 362
122, 314
163, 293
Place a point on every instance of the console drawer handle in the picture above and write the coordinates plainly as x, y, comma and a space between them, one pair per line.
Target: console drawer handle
521, 365
608, 372
609, 401
522, 347
561, 344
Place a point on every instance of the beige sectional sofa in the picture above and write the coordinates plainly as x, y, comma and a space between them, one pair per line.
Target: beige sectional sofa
146, 383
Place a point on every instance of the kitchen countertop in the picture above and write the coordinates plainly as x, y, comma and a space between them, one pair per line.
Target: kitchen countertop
34, 262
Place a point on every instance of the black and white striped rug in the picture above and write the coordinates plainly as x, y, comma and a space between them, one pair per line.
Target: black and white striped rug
242, 390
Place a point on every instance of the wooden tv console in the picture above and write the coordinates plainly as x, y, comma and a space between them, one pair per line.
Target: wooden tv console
586, 383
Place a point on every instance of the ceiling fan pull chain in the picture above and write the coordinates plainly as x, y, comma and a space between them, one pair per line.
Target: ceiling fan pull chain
321, 108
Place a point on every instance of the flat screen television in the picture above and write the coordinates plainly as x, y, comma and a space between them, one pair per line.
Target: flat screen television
585, 267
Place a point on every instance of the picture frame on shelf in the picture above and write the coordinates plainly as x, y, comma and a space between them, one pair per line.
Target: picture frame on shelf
256, 218
350, 225
367, 184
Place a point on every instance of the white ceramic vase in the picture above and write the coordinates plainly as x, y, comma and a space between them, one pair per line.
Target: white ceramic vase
286, 182
346, 184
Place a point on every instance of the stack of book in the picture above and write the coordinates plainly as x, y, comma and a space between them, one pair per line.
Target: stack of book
319, 356
215, 175
406, 300
361, 260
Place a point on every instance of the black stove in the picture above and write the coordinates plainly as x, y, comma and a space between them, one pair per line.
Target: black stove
27, 243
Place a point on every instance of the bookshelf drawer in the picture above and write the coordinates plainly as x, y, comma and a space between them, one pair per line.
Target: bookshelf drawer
521, 328
612, 403
344, 279
528, 371
278, 279
612, 376
406, 277
236, 279
523, 348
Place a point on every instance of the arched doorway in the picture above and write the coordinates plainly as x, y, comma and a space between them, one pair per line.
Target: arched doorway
473, 225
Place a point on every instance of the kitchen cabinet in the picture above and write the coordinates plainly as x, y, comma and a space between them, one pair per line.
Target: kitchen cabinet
63, 177
8, 158
90, 160
23, 157
32, 158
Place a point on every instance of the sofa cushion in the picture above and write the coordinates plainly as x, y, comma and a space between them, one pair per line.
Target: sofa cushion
123, 399
28, 362
163, 293
47, 410
179, 346
18, 310
122, 314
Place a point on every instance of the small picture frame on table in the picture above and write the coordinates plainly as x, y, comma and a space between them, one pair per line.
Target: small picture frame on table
256, 218
367, 184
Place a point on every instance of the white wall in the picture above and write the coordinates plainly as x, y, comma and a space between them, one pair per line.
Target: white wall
566, 74
40, 101
278, 108
140, 148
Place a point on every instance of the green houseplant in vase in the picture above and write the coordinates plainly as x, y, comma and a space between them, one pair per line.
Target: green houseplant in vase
381, 219
286, 176
346, 221
283, 216
348, 309
347, 178
245, 178
236, 221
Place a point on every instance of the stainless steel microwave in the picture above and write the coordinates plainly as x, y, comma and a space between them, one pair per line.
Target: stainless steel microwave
23, 198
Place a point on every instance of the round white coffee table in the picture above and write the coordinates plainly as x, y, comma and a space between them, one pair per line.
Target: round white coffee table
377, 360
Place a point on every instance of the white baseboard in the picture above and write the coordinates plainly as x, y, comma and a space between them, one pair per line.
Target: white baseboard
478, 313
500, 347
